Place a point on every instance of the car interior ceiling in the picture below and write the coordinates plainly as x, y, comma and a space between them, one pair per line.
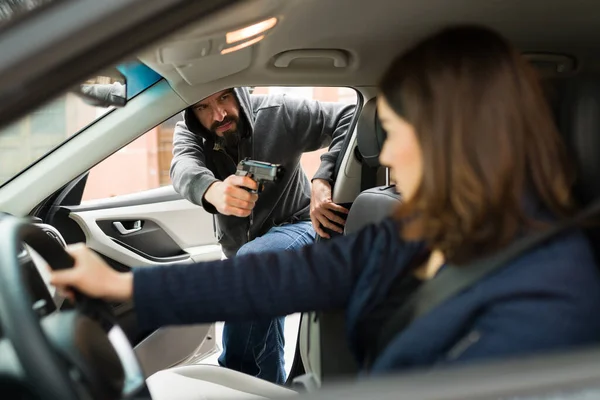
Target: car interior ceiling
369, 33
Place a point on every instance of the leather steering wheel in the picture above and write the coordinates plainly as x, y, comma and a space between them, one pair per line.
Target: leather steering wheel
68, 354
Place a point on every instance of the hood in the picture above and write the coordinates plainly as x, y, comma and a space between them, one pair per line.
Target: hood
246, 113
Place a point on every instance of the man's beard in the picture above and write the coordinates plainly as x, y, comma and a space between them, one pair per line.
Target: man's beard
228, 139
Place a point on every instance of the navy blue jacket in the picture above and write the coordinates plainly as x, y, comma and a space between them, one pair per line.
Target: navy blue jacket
547, 299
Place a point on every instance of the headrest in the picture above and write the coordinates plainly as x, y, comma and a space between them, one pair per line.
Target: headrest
370, 134
579, 122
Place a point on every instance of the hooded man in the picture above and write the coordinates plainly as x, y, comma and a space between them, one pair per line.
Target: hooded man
216, 134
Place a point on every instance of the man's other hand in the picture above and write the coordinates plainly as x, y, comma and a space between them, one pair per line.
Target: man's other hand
230, 198
322, 209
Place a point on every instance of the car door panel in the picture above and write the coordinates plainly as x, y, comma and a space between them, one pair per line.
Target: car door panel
154, 227
172, 230
159, 351
144, 237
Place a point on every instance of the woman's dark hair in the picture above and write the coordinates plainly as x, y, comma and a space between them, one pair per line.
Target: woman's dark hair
488, 139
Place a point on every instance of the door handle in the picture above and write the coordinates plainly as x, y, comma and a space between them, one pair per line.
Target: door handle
137, 226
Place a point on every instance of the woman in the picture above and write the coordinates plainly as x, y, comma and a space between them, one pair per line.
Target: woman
473, 149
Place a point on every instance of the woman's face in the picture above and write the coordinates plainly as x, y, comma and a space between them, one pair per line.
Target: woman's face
401, 151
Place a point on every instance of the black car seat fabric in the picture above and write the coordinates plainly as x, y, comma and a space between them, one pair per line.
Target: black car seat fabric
369, 145
579, 122
370, 136
372, 205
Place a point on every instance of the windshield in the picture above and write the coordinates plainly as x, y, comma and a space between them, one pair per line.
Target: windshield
29, 139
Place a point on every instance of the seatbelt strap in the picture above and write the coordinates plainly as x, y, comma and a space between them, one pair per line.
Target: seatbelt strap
453, 279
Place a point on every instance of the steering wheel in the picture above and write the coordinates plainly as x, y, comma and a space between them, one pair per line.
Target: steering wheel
73, 354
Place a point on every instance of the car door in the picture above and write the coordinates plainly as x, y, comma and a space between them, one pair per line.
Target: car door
126, 210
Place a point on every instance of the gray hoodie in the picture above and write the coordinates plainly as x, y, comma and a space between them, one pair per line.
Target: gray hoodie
279, 129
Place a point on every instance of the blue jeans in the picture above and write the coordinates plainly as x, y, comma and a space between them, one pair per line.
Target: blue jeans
256, 348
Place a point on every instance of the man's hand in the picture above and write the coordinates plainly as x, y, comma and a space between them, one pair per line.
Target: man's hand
93, 277
229, 197
322, 209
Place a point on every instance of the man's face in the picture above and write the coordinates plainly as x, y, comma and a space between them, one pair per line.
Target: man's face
219, 113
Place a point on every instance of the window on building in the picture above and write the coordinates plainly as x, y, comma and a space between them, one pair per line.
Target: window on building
12, 131
51, 119
147, 160
27, 140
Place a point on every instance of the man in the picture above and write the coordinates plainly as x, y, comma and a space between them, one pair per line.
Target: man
215, 135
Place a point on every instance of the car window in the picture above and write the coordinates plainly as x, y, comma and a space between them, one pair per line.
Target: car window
147, 160
32, 137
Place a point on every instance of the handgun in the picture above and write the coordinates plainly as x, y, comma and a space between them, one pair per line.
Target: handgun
260, 172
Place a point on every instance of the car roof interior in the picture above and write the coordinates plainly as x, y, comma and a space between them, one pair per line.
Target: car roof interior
363, 37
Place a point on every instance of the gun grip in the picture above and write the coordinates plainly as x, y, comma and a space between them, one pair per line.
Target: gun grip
241, 172
258, 191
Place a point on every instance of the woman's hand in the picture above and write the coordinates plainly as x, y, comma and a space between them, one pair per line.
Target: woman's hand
93, 277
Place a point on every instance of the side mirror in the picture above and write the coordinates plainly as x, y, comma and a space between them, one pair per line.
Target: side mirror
107, 89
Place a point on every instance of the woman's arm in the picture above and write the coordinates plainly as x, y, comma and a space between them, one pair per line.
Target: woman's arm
254, 286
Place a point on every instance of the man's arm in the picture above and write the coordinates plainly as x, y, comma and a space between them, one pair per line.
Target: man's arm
316, 125
189, 174
195, 182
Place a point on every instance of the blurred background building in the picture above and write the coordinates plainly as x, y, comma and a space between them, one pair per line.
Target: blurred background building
141, 165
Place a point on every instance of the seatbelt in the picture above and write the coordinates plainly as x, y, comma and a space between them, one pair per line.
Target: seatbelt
453, 279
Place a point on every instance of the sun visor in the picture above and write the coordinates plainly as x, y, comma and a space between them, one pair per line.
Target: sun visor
211, 68
204, 59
